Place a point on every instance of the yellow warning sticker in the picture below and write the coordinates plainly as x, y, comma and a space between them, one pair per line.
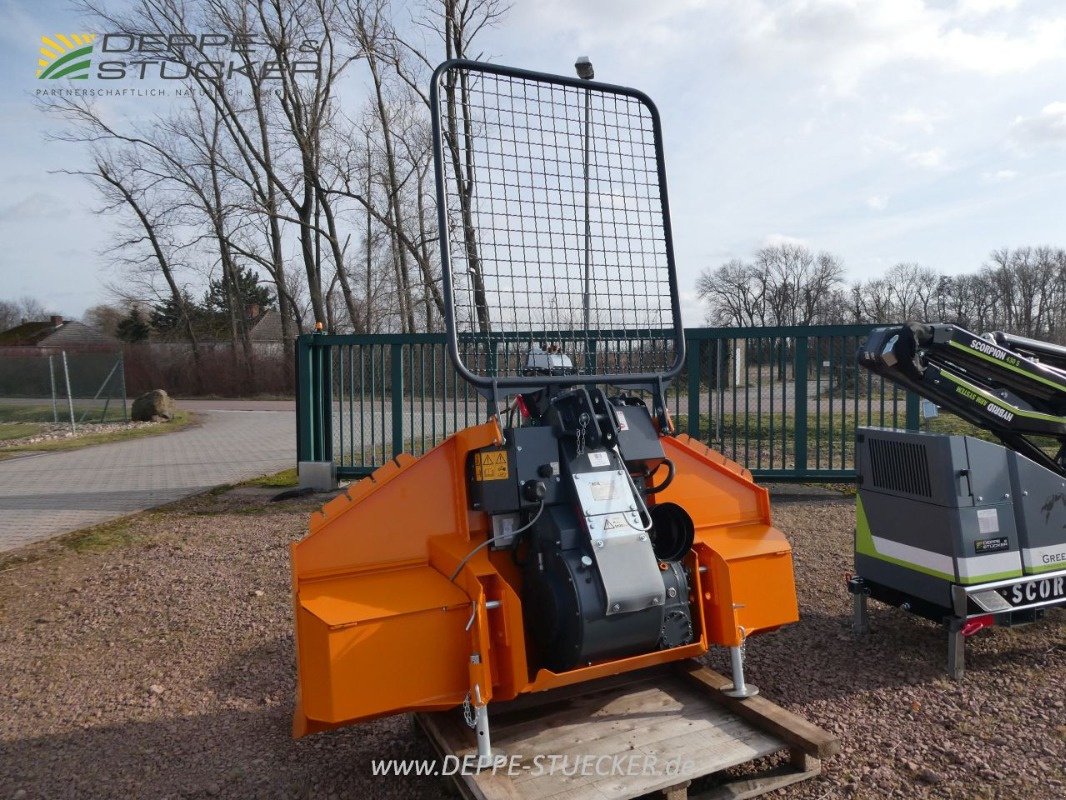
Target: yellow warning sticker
491, 466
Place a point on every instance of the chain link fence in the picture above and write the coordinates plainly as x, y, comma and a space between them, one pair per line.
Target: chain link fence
64, 387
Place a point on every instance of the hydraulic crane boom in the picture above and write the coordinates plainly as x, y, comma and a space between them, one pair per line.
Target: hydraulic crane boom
1011, 386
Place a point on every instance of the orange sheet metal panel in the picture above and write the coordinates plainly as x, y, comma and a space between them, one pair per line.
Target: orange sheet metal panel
372, 637
386, 519
751, 588
710, 487
750, 585
382, 642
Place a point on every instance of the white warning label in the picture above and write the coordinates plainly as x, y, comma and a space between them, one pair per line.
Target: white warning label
988, 520
602, 490
599, 459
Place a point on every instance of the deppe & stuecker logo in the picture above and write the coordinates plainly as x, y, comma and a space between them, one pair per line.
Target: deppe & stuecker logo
65, 56
175, 56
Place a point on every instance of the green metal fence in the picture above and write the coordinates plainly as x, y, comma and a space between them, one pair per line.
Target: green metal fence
784, 402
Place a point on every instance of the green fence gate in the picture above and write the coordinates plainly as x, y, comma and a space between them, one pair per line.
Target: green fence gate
784, 402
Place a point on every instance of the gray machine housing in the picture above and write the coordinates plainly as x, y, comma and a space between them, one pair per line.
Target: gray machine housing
602, 575
938, 511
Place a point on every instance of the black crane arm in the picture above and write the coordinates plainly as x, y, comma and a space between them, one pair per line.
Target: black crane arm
1011, 386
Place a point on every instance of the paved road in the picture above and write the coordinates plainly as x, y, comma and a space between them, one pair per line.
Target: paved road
365, 425
238, 405
52, 493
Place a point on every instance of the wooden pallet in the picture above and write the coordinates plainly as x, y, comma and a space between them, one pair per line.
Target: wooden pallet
675, 714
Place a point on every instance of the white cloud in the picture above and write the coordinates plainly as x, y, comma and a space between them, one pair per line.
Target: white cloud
843, 40
1000, 175
775, 239
981, 8
604, 24
924, 121
693, 311
875, 143
927, 159
850, 39
38, 205
1047, 127
878, 202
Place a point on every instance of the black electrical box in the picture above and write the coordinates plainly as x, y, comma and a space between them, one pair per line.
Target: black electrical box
537, 457
638, 441
491, 476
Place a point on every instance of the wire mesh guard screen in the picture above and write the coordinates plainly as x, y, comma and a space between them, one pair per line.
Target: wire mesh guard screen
555, 226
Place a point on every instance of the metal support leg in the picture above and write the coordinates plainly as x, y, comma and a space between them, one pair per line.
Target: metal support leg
740, 687
484, 741
860, 619
956, 649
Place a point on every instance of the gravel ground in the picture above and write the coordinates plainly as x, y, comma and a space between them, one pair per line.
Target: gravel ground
153, 659
53, 433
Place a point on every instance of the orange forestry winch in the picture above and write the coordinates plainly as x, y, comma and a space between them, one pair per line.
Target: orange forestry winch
381, 629
587, 538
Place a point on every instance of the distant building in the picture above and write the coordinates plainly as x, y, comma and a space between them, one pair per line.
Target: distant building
56, 333
89, 360
264, 326
264, 329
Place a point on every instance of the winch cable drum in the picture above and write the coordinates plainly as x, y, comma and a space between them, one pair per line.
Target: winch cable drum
547, 546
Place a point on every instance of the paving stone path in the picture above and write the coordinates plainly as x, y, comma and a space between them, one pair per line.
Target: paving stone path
52, 493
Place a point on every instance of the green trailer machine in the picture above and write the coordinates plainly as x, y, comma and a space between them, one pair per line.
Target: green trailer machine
959, 530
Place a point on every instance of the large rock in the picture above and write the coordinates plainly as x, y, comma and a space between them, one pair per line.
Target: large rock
152, 406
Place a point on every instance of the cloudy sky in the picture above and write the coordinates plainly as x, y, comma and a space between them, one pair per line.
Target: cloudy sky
880, 130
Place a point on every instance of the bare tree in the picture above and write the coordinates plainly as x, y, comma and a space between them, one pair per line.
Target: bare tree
10, 315
1022, 290
734, 294
785, 284
13, 312
261, 162
458, 23
104, 317
150, 246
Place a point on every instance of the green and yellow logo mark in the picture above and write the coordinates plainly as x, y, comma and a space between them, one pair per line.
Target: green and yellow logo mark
64, 56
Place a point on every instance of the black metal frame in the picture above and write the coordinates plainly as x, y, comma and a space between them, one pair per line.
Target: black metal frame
491, 386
